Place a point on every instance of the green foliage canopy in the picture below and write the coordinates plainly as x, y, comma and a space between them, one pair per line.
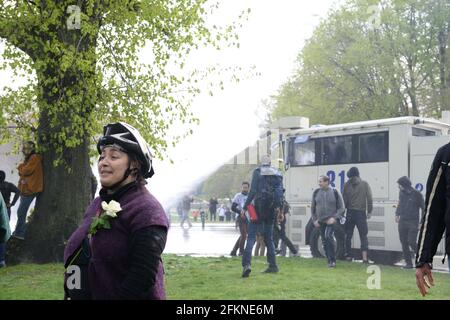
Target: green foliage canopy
83, 66
372, 59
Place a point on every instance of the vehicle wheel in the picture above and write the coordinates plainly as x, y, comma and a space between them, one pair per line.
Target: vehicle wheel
315, 242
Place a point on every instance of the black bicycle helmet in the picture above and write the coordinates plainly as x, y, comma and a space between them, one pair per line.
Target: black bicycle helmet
131, 141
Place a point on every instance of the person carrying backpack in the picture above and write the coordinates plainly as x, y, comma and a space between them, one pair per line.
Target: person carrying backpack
327, 207
267, 193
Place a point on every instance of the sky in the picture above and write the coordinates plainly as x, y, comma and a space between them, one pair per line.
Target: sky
270, 41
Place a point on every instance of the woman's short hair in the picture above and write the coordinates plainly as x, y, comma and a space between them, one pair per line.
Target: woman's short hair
138, 173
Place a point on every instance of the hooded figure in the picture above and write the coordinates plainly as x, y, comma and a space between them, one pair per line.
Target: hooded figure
404, 182
407, 217
353, 172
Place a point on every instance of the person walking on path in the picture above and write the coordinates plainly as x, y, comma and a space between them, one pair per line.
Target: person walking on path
186, 207
267, 193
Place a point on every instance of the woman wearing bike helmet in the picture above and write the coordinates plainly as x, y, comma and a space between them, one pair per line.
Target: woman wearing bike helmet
117, 248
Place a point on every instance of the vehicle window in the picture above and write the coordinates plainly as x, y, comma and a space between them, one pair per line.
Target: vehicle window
336, 150
304, 153
418, 132
373, 147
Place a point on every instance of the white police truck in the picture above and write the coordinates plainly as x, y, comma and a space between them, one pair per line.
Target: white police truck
383, 150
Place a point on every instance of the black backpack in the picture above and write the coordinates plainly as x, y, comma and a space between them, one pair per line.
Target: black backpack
270, 187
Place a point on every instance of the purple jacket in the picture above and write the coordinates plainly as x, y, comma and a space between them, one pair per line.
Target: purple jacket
109, 247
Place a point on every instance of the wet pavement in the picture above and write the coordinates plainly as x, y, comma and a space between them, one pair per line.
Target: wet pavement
217, 239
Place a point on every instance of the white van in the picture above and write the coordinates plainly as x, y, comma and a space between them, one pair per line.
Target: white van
383, 151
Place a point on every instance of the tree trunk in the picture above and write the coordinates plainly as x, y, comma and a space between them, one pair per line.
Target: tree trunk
65, 111
60, 208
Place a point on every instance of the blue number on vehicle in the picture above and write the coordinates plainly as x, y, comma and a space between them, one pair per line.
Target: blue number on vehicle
332, 175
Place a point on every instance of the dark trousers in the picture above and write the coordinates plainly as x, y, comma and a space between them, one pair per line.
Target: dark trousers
203, 222
266, 229
327, 234
359, 219
240, 243
408, 238
2, 252
279, 233
212, 214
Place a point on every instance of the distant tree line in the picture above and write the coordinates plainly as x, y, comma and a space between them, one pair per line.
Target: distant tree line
370, 60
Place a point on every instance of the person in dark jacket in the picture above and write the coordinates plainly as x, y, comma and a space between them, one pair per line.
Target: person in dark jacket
435, 220
267, 193
6, 188
213, 208
358, 201
279, 232
124, 230
407, 216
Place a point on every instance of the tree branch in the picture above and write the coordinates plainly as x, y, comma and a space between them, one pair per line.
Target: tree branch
17, 30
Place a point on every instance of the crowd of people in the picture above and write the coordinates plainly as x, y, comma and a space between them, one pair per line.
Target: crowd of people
328, 207
137, 236
353, 208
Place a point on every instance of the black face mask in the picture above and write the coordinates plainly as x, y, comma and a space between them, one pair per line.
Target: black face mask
244, 193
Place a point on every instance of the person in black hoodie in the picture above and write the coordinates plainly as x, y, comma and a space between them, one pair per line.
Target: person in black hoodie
279, 231
407, 217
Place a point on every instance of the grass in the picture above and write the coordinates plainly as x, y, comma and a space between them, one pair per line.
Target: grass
220, 279
32, 281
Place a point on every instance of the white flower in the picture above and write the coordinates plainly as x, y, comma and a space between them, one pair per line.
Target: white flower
111, 208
